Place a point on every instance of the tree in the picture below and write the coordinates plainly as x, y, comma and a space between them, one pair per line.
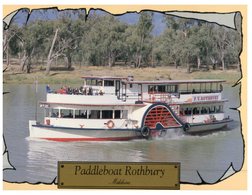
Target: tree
50, 57
11, 42
143, 28
103, 40
33, 39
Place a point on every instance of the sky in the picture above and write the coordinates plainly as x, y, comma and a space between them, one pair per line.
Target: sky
52, 14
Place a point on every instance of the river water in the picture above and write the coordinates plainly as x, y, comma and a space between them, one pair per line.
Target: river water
36, 161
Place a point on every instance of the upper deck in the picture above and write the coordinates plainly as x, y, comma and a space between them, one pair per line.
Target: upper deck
106, 90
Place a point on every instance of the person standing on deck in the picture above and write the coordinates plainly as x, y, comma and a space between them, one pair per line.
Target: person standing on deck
48, 89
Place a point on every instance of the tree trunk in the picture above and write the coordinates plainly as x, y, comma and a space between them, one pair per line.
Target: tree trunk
49, 60
223, 64
222, 61
110, 59
152, 57
28, 67
23, 61
139, 56
69, 62
188, 68
139, 61
198, 62
113, 60
176, 64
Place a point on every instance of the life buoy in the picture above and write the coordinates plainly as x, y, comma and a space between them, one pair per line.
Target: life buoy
110, 124
47, 122
145, 132
162, 133
186, 127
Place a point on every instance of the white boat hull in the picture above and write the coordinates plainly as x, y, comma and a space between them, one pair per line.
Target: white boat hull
80, 134
54, 133
203, 127
194, 128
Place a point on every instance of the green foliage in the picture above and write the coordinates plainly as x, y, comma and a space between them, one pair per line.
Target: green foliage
103, 40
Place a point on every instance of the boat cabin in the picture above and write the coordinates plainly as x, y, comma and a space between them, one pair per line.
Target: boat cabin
102, 84
168, 90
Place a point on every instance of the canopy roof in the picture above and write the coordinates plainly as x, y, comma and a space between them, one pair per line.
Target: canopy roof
156, 82
105, 77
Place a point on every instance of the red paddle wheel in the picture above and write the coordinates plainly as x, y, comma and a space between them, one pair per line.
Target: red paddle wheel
160, 115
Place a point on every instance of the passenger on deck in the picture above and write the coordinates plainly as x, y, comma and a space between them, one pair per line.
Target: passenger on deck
48, 89
84, 91
90, 91
69, 90
87, 91
62, 91
70, 115
100, 92
81, 90
76, 91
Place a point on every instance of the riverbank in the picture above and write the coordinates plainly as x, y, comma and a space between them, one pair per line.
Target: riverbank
13, 76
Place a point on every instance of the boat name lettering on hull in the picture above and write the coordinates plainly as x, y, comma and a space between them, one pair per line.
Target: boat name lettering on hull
205, 98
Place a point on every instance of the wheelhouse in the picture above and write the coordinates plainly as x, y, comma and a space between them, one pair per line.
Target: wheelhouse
108, 85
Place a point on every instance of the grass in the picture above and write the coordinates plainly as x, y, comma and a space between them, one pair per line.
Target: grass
14, 76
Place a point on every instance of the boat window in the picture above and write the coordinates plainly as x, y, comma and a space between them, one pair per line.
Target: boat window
55, 113
212, 109
91, 82
163, 88
80, 114
94, 114
117, 114
66, 113
94, 82
216, 87
182, 112
47, 112
108, 83
172, 88
124, 114
107, 114
191, 88
195, 110
204, 110
208, 87
188, 111
151, 89
219, 109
